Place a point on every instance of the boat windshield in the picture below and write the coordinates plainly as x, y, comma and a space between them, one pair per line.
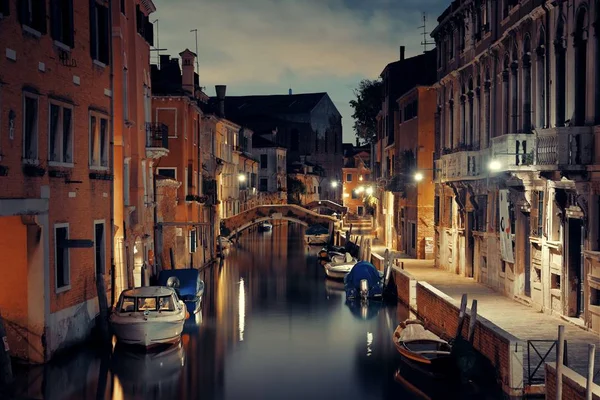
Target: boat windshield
132, 304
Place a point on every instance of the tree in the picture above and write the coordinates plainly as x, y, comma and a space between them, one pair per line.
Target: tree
295, 189
366, 107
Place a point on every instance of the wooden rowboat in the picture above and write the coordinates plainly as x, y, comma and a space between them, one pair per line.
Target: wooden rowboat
423, 350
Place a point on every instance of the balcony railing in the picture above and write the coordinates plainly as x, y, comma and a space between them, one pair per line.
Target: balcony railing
463, 165
157, 135
565, 146
514, 150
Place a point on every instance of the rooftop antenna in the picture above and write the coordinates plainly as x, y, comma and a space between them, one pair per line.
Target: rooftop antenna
196, 33
157, 49
424, 43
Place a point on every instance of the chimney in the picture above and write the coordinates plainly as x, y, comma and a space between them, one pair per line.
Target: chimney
164, 60
187, 66
221, 89
402, 50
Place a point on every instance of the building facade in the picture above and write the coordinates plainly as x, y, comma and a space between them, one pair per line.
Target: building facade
356, 180
56, 169
138, 144
412, 182
248, 168
176, 103
272, 171
516, 196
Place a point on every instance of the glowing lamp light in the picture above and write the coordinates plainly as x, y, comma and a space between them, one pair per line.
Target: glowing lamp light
242, 178
495, 165
418, 177
334, 184
369, 190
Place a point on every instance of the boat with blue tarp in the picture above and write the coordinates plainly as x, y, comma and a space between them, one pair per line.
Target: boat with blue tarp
364, 281
188, 285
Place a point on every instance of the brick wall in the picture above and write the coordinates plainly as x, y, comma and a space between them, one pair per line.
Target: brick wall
405, 286
504, 351
574, 385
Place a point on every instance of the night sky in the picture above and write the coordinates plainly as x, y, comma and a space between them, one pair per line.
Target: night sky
266, 46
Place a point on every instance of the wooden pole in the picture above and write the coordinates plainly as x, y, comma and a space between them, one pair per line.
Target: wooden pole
559, 361
103, 308
461, 315
6, 373
590, 374
472, 321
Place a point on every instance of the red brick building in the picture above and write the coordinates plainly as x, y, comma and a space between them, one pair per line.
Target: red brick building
139, 143
55, 170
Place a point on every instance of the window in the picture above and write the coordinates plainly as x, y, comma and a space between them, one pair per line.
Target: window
263, 161
185, 181
264, 185
144, 27
60, 136
4, 7
61, 21
167, 172
144, 180
126, 180
436, 211
537, 216
123, 7
99, 247
32, 14
30, 127
99, 32
62, 265
348, 177
98, 141
413, 235
125, 95
481, 213
193, 241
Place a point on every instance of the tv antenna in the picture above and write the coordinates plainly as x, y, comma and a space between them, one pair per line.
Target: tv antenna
157, 49
424, 43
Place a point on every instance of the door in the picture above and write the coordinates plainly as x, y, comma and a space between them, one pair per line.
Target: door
575, 288
470, 246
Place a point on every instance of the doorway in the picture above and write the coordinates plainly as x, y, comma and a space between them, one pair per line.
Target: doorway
470, 246
527, 250
575, 297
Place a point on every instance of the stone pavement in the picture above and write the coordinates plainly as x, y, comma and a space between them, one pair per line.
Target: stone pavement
518, 319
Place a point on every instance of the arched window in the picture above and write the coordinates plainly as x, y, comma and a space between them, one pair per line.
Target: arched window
597, 63
514, 90
487, 106
451, 118
463, 114
560, 52
540, 61
505, 95
527, 110
580, 65
471, 116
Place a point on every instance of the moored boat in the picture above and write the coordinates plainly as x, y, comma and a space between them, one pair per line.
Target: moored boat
187, 284
364, 281
423, 350
148, 316
265, 226
317, 234
339, 266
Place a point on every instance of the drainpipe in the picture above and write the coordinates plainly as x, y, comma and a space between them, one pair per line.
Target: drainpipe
111, 160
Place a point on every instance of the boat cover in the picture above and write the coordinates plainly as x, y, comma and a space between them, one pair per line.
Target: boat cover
189, 281
362, 270
416, 332
317, 230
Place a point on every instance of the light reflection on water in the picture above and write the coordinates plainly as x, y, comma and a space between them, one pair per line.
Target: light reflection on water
272, 327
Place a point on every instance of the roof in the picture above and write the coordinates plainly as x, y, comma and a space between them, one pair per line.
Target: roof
149, 291
262, 142
277, 104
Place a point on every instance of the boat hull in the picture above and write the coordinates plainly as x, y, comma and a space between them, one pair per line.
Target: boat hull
147, 333
337, 271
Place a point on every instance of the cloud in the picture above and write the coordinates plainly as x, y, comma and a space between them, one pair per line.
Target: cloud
275, 43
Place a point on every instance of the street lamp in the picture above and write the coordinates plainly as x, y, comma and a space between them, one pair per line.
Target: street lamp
242, 177
334, 184
418, 177
495, 165
369, 190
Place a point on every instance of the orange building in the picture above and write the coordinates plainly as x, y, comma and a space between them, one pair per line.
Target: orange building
356, 179
139, 143
176, 103
413, 185
55, 171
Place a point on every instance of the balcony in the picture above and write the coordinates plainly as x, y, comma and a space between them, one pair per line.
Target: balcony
514, 151
566, 147
157, 140
461, 166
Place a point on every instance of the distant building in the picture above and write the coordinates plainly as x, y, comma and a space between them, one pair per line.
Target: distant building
272, 171
356, 178
308, 126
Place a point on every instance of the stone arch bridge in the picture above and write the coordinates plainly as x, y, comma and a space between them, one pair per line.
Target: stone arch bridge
338, 208
286, 212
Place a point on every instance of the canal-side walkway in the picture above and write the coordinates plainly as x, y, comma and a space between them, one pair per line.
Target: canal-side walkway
514, 317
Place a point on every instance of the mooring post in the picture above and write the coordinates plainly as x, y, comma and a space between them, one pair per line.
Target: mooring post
103, 307
6, 373
559, 361
590, 372
472, 321
461, 315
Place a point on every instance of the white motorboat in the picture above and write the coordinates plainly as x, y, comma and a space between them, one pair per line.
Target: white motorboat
340, 265
148, 316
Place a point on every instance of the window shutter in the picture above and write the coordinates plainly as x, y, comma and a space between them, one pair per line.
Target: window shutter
71, 34
55, 19
93, 30
23, 12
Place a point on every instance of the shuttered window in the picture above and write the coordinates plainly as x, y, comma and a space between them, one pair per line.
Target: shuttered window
99, 32
32, 13
61, 21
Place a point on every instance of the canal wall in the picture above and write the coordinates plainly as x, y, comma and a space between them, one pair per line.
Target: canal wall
573, 384
440, 312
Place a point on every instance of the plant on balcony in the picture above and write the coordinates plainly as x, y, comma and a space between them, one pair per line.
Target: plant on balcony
528, 158
34, 170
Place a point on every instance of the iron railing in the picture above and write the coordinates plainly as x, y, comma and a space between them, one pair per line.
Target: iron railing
157, 135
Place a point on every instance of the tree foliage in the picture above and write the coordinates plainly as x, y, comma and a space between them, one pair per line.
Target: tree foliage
366, 107
295, 188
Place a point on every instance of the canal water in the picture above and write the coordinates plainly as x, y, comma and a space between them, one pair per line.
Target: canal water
272, 327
